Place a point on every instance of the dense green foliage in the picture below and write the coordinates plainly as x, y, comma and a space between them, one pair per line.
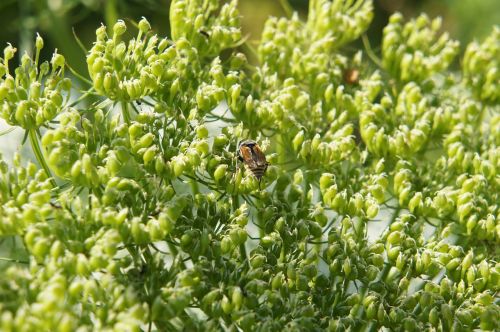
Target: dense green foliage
139, 217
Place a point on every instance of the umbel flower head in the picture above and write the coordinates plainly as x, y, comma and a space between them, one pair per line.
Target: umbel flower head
34, 94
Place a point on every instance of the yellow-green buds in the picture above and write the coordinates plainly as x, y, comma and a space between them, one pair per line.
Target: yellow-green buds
190, 20
480, 67
32, 97
414, 52
144, 25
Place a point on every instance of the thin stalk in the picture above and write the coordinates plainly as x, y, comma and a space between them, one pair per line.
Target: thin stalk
79, 42
110, 14
85, 95
125, 113
35, 145
194, 187
8, 130
286, 8
243, 252
13, 260
79, 76
369, 51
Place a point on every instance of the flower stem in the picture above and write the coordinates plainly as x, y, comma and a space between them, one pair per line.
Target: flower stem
369, 51
35, 145
13, 260
286, 8
126, 115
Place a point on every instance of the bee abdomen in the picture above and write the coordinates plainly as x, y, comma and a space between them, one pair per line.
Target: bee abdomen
258, 172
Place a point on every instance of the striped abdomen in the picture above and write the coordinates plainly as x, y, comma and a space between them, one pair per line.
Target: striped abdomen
258, 171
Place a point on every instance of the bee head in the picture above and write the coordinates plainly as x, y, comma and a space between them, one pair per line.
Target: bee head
248, 143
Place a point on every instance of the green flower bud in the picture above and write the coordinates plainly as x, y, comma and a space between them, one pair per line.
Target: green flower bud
201, 132
220, 172
226, 305
237, 297
434, 317
144, 25
119, 28
298, 140
340, 201
149, 155
202, 147
393, 253
346, 267
8, 52
372, 211
38, 42
220, 142
226, 245
371, 311
394, 238
484, 269
415, 202
57, 61
410, 324
298, 177
257, 261
453, 264
139, 232
326, 180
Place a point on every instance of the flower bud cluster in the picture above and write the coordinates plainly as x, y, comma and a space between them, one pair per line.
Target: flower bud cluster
57, 298
146, 64
25, 194
480, 68
306, 50
351, 259
337, 21
343, 201
34, 94
196, 22
409, 134
414, 51
67, 151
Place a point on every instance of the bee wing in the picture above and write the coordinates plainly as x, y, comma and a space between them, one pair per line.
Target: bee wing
259, 157
247, 156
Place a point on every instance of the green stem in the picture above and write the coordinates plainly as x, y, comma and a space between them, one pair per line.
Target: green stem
286, 8
126, 115
280, 149
35, 145
369, 51
243, 252
110, 14
83, 96
13, 260
194, 187
79, 76
6, 131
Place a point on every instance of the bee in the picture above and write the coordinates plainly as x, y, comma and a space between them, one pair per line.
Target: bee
351, 76
254, 159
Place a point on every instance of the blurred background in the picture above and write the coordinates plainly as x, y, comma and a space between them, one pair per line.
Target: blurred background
59, 21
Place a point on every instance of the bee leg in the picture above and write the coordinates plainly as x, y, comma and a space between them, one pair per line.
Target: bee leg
221, 196
249, 200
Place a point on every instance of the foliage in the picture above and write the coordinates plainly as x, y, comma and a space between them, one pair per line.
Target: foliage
139, 216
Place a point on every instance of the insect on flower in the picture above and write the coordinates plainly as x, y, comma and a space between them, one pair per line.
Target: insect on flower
351, 76
254, 159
